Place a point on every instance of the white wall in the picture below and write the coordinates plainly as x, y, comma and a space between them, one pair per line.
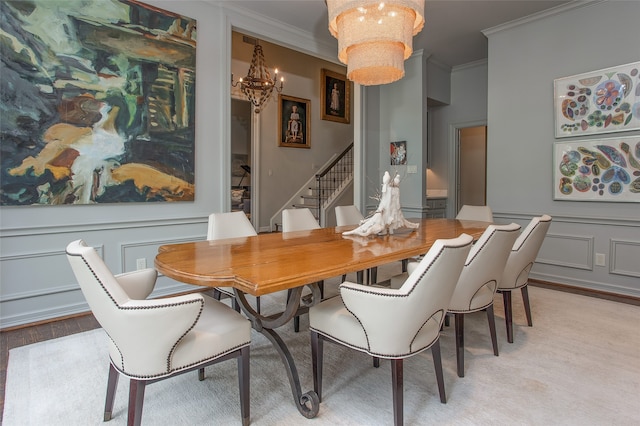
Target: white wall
523, 62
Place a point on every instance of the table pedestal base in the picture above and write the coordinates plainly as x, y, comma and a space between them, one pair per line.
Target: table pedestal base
308, 403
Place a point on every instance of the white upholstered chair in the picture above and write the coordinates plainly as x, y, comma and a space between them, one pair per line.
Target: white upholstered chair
348, 215
230, 225
151, 340
479, 281
300, 220
469, 212
516, 271
392, 323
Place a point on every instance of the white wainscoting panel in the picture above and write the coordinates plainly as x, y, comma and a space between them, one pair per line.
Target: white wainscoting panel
625, 258
570, 251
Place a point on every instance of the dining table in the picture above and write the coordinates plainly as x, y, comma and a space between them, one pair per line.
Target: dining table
271, 262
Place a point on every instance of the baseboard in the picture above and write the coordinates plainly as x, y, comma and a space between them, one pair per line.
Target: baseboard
620, 298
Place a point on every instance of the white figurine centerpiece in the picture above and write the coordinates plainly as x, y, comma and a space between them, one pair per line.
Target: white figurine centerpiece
388, 215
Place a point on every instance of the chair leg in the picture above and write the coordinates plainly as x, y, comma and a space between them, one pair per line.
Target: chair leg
112, 384
316, 362
397, 383
321, 285
405, 262
527, 306
437, 364
360, 277
258, 304
217, 294
374, 275
136, 400
508, 314
201, 374
460, 343
244, 384
492, 329
376, 362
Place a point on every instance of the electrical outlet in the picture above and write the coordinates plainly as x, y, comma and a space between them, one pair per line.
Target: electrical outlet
141, 263
600, 259
412, 169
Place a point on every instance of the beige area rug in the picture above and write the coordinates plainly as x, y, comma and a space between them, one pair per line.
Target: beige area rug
578, 365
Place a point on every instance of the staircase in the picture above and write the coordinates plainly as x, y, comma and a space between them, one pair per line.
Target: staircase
318, 196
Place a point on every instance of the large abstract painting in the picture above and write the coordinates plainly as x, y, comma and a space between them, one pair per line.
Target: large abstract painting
603, 101
97, 102
598, 170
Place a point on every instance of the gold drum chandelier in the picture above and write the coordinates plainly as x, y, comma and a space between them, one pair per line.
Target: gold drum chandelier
258, 85
375, 37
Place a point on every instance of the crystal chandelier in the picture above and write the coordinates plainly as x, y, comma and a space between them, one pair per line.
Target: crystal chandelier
258, 85
375, 37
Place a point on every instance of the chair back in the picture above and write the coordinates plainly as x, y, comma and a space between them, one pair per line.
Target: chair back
469, 212
99, 286
524, 253
429, 287
229, 225
114, 309
348, 215
298, 220
483, 268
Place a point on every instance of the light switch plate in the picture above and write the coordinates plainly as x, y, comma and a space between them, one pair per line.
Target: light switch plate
412, 169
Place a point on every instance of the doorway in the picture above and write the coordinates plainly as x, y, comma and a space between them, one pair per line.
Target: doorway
471, 182
241, 157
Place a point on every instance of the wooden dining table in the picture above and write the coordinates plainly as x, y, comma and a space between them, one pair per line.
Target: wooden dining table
271, 262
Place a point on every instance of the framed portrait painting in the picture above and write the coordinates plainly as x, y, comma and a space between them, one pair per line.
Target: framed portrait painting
603, 101
598, 170
398, 153
294, 122
334, 96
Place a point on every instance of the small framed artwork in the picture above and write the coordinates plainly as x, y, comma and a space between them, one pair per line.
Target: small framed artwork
597, 170
604, 101
294, 122
334, 96
398, 153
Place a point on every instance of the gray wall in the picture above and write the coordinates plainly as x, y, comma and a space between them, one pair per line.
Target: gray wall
523, 62
36, 282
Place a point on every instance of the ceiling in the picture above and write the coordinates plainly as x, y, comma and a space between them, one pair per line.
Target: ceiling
451, 35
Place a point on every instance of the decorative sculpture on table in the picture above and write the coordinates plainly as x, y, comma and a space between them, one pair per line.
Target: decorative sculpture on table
388, 216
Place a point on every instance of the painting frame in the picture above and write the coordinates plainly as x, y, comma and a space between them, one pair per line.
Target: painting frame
335, 97
598, 102
398, 153
294, 122
597, 170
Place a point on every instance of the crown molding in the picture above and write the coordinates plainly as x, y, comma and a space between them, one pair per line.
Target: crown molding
277, 32
541, 15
